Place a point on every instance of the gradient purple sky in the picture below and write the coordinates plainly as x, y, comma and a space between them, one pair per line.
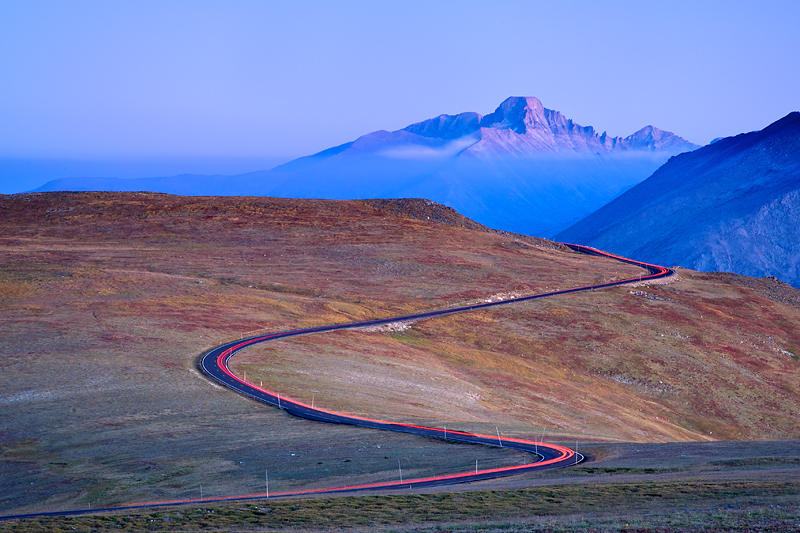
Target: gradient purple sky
261, 81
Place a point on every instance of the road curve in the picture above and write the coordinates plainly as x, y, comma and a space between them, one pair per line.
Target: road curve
215, 365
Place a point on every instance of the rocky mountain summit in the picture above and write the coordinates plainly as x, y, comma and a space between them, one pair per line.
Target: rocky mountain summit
537, 129
733, 205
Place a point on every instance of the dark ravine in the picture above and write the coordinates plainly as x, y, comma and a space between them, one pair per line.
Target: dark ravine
215, 365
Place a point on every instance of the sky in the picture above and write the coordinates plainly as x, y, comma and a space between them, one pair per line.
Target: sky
147, 88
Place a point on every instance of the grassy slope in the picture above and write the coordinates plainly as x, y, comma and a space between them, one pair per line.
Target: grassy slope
102, 314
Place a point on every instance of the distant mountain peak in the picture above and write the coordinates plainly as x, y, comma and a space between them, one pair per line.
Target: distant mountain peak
447, 126
518, 114
652, 138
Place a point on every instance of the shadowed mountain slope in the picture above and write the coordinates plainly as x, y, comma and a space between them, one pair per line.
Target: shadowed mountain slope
733, 205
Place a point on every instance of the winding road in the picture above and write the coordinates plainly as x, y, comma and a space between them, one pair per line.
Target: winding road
215, 365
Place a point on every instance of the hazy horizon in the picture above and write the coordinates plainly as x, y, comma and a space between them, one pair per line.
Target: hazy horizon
19, 175
92, 82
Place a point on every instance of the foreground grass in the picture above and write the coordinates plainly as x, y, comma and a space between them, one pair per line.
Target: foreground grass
682, 506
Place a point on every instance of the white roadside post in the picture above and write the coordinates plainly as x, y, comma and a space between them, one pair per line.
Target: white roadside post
401, 471
266, 481
498, 436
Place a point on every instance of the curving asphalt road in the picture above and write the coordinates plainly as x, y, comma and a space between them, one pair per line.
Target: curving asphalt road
215, 365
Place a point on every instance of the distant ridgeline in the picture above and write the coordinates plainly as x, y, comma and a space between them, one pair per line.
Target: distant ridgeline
522, 168
733, 205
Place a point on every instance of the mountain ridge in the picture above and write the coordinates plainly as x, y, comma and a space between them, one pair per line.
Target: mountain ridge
526, 115
731, 206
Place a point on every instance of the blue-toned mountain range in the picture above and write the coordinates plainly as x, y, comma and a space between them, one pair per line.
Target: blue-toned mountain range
521, 168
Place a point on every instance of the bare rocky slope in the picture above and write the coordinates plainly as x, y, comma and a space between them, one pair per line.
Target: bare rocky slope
733, 205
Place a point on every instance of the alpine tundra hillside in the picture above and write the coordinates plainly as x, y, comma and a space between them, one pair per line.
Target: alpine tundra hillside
109, 299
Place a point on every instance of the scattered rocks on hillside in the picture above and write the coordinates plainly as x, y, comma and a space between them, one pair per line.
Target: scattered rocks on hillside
660, 281
649, 386
768, 287
650, 296
387, 328
422, 209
